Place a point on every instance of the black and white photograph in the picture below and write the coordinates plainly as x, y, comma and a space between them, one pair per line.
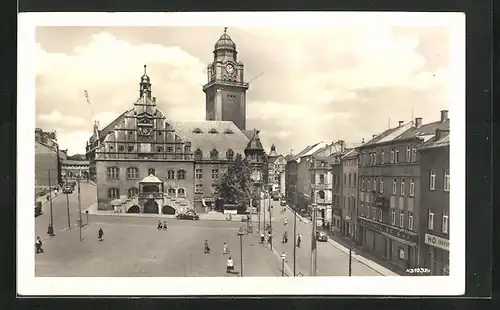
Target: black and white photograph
234, 153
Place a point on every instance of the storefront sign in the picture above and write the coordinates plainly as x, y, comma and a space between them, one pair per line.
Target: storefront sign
437, 242
389, 231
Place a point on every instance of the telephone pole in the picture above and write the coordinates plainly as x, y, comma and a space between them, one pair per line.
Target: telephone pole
313, 242
294, 237
260, 204
79, 210
67, 208
50, 200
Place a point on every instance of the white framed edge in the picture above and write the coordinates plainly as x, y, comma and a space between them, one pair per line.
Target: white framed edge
27, 284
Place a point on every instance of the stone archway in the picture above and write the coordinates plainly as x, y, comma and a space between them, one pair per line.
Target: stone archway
151, 206
168, 210
134, 209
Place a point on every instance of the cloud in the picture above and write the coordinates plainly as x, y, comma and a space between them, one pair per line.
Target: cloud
55, 117
318, 83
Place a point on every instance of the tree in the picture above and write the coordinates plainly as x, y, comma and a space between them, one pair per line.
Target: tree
236, 185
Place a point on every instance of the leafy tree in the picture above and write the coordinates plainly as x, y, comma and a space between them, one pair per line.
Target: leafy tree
236, 186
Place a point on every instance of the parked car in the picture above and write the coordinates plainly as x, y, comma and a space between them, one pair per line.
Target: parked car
38, 208
67, 189
321, 236
283, 202
188, 215
275, 195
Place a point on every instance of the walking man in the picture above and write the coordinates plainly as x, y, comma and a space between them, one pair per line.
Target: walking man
38, 245
286, 221
207, 248
229, 265
165, 225
159, 225
225, 250
100, 234
299, 239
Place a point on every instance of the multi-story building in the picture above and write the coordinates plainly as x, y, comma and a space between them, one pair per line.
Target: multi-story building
276, 171
338, 184
291, 182
73, 169
321, 185
47, 159
349, 163
435, 203
154, 164
389, 176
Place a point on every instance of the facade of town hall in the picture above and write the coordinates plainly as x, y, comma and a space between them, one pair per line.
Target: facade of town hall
145, 162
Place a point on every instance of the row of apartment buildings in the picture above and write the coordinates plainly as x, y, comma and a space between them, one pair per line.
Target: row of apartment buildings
390, 194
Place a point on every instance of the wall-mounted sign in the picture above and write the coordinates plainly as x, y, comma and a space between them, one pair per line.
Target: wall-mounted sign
437, 242
389, 230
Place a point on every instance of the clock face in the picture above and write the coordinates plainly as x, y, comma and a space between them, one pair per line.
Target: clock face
145, 131
230, 68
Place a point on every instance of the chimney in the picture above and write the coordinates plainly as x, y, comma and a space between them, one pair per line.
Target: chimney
400, 123
154, 99
444, 115
418, 122
373, 136
438, 134
363, 140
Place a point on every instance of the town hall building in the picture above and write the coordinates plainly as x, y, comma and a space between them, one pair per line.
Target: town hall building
144, 162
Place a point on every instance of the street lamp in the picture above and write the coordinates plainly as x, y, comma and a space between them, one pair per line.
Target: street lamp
67, 208
240, 234
283, 257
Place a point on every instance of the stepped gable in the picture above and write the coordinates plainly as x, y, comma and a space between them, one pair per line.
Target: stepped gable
211, 135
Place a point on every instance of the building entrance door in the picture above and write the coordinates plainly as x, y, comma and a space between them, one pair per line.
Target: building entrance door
151, 206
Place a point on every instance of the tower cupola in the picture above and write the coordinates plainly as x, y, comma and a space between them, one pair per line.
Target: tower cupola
145, 85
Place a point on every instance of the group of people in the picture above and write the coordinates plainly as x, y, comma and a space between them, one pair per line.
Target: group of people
225, 251
162, 226
39, 243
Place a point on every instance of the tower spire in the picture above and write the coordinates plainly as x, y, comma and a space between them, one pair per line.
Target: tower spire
225, 29
145, 67
145, 84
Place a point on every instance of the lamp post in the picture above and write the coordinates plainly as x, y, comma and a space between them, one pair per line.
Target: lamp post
51, 214
240, 234
67, 208
313, 241
294, 238
79, 209
283, 257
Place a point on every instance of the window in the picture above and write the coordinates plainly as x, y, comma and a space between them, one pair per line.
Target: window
410, 221
393, 217
171, 192
228, 131
198, 188
374, 185
414, 155
396, 156
321, 195
159, 149
412, 187
401, 253
170, 149
432, 185
345, 178
170, 174
349, 180
215, 174
230, 154
198, 154
181, 175
214, 154
446, 181
113, 173
343, 200
113, 193
130, 148
368, 185
214, 189
363, 185
408, 154
401, 219
197, 130
321, 179
151, 171
380, 215
445, 224
381, 186
374, 212
391, 158
199, 174
402, 187
213, 131
368, 209
132, 173
431, 220
382, 157
132, 192
121, 148
355, 181
181, 192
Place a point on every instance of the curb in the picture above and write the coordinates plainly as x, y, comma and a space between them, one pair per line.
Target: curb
302, 219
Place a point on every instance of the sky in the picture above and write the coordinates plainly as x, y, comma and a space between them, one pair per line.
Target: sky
318, 84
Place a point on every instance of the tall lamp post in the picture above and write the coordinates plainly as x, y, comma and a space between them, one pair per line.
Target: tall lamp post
283, 257
51, 232
313, 241
294, 238
67, 208
240, 234
80, 210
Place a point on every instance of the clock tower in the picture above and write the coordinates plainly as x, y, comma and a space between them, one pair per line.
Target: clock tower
225, 90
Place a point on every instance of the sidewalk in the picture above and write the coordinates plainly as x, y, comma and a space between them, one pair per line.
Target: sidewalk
300, 217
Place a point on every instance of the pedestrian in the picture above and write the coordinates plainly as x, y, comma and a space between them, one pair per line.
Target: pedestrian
165, 225
159, 225
286, 221
100, 234
38, 245
285, 237
229, 265
270, 238
207, 247
225, 249
262, 237
299, 239
48, 197
50, 230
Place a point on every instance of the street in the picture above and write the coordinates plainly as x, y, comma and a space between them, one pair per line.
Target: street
330, 260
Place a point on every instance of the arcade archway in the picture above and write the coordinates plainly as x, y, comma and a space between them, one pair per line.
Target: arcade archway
151, 206
168, 210
134, 209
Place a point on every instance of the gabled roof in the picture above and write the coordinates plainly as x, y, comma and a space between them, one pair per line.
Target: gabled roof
151, 179
248, 134
104, 132
206, 142
442, 142
424, 130
388, 135
75, 162
41, 148
351, 154
318, 146
305, 150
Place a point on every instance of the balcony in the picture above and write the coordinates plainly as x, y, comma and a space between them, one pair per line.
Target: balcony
224, 82
149, 156
151, 195
319, 186
323, 201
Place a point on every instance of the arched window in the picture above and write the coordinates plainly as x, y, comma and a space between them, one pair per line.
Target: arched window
228, 131
198, 155
170, 174
113, 193
197, 130
230, 154
171, 192
132, 173
132, 192
321, 195
181, 175
213, 131
181, 192
214, 154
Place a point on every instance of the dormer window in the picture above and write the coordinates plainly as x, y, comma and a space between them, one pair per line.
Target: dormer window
229, 132
230, 154
214, 154
213, 131
198, 155
197, 130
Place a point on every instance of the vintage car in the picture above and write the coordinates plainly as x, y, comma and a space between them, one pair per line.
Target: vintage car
283, 202
188, 215
275, 195
321, 236
67, 189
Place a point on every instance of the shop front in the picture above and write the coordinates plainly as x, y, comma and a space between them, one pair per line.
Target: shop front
393, 244
437, 255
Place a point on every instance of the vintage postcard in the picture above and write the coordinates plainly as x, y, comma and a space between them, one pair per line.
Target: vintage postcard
241, 153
